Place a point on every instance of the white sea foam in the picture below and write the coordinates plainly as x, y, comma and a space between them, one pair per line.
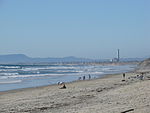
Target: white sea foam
105, 69
80, 70
10, 67
70, 71
45, 68
62, 67
8, 74
32, 75
10, 82
31, 69
97, 72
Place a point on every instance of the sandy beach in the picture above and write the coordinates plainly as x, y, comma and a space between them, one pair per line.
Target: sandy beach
106, 95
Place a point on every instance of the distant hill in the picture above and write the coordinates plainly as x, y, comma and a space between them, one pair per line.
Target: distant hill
144, 66
21, 58
14, 58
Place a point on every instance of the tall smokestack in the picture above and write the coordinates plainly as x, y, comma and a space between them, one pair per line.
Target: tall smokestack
118, 55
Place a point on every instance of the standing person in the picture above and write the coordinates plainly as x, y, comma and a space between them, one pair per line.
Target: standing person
89, 76
83, 77
124, 75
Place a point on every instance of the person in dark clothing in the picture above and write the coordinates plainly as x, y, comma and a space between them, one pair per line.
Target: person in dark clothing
83, 77
124, 75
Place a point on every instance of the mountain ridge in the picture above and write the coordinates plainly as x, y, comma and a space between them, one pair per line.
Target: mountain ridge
22, 58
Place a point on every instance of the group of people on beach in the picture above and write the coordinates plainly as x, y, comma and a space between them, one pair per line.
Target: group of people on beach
63, 86
83, 78
141, 76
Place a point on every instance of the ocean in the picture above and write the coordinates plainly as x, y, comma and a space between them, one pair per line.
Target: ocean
25, 76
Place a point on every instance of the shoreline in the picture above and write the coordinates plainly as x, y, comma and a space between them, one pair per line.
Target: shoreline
51, 79
76, 81
108, 94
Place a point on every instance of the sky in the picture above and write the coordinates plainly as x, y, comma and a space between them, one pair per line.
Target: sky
82, 28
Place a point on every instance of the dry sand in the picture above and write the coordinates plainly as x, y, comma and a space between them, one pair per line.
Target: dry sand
105, 95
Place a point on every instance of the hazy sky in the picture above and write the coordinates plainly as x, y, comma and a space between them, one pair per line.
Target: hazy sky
81, 28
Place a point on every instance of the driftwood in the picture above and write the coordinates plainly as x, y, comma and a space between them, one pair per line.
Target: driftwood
127, 111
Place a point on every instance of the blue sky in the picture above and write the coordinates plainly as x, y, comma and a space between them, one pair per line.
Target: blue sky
81, 28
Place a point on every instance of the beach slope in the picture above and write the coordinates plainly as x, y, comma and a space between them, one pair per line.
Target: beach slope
105, 95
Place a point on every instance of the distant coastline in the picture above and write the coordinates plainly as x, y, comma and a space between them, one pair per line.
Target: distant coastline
23, 59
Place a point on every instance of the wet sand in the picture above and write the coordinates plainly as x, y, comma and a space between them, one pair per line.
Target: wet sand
106, 95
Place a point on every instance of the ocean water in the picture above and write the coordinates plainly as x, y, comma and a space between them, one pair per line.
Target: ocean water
25, 76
